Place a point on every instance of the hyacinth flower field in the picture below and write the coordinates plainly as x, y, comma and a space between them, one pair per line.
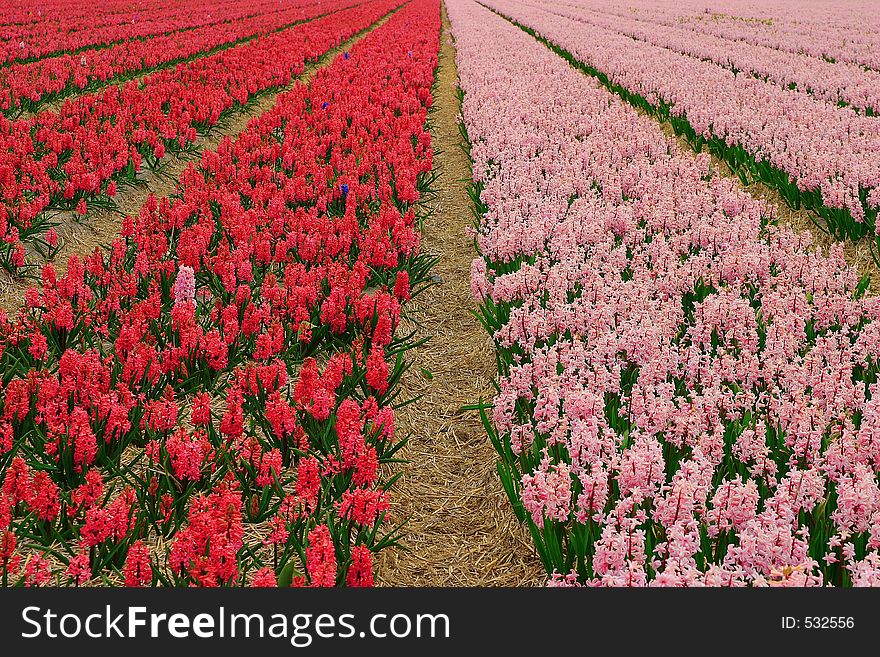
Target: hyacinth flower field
319, 293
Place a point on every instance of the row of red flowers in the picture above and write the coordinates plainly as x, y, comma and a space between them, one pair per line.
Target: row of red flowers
209, 402
32, 29
25, 85
76, 156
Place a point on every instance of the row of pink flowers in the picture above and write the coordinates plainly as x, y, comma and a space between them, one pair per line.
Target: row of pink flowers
838, 30
819, 145
835, 82
25, 85
688, 393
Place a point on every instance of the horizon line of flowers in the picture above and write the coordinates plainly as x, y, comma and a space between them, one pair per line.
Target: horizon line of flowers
25, 86
821, 34
841, 83
49, 31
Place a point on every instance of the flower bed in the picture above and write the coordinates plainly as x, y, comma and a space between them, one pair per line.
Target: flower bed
77, 156
210, 401
26, 86
687, 393
842, 83
31, 30
838, 31
816, 154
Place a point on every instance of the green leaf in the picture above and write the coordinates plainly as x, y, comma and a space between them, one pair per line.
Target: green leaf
287, 574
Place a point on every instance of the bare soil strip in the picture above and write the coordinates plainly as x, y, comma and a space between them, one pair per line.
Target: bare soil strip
461, 529
99, 228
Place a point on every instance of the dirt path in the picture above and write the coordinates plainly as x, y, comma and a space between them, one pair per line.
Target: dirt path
101, 227
462, 530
